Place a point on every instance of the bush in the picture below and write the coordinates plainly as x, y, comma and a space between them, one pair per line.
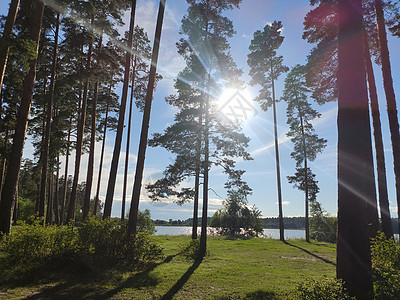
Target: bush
96, 244
385, 256
33, 243
191, 251
327, 289
322, 226
236, 218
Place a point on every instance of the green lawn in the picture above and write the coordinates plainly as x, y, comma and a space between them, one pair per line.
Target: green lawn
234, 269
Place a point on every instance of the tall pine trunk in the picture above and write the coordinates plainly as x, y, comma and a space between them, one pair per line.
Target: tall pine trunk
133, 213
121, 120
8, 193
307, 219
390, 98
49, 113
96, 198
379, 150
128, 141
49, 210
355, 163
80, 134
55, 198
197, 177
89, 177
65, 184
4, 42
3, 161
278, 168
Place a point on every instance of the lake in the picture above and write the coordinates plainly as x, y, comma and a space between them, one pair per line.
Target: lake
268, 233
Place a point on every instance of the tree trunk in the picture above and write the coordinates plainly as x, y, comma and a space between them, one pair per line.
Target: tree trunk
9, 190
49, 211
133, 213
3, 161
307, 220
379, 150
355, 163
8, 28
128, 141
96, 198
121, 120
65, 185
278, 168
390, 98
197, 177
56, 204
89, 177
47, 133
203, 236
80, 133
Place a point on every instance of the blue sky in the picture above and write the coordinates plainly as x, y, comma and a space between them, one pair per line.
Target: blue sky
260, 173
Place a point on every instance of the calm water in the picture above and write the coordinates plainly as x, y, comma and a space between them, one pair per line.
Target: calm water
268, 233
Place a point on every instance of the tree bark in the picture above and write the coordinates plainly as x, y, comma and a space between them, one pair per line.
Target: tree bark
89, 177
3, 161
379, 150
80, 133
49, 210
133, 213
9, 190
65, 185
355, 165
278, 168
121, 120
307, 219
390, 98
128, 141
8, 28
197, 177
47, 131
96, 198
55, 203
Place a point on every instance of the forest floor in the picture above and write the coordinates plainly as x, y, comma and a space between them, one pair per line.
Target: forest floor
233, 269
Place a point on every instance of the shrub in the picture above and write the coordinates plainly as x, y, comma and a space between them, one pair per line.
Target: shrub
34, 243
191, 251
385, 256
322, 226
237, 218
327, 289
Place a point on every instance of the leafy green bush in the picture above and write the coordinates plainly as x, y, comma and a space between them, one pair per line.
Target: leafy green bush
109, 239
237, 218
34, 243
327, 289
385, 256
191, 251
322, 226
95, 245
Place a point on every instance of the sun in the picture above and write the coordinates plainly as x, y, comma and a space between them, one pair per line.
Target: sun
235, 105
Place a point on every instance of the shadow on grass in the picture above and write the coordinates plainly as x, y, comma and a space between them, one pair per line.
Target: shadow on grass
185, 277
310, 253
257, 295
86, 289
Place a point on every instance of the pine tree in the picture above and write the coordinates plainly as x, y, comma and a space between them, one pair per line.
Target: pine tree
9, 190
355, 165
302, 134
265, 67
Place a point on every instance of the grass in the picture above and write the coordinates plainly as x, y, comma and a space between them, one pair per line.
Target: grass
234, 269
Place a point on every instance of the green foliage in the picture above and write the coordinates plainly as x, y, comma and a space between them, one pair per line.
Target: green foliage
385, 257
30, 244
327, 289
145, 223
322, 226
236, 218
96, 245
26, 209
191, 251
